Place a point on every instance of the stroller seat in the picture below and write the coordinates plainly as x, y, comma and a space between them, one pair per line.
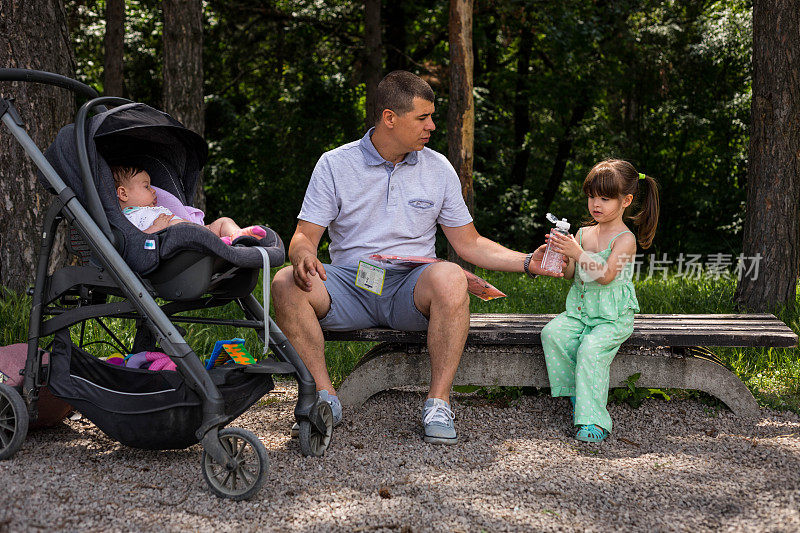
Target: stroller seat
138, 135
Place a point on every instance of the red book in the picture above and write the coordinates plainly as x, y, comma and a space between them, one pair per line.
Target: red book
475, 285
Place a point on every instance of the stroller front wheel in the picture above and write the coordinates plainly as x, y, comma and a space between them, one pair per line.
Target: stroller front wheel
315, 436
244, 480
13, 421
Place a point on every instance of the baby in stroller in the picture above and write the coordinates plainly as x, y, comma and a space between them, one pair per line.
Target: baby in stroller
139, 203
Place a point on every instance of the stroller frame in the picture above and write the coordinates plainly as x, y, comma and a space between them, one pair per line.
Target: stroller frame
89, 287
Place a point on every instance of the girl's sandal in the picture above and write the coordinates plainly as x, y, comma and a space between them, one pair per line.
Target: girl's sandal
572, 404
591, 433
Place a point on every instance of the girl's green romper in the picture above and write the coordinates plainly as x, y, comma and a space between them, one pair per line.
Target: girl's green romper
580, 343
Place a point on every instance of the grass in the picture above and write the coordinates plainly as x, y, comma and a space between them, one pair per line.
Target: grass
773, 375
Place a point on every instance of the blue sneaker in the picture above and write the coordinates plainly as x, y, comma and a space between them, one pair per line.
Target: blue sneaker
437, 418
336, 409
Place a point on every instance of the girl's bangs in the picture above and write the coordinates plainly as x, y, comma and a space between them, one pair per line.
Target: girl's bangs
602, 182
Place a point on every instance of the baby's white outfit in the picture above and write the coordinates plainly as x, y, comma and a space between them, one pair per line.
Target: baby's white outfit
143, 217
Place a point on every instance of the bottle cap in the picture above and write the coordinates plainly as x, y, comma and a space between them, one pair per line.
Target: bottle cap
560, 224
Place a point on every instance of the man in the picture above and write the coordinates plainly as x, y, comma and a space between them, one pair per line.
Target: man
385, 194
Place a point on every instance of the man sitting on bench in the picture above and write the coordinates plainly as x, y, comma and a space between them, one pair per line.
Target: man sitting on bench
384, 194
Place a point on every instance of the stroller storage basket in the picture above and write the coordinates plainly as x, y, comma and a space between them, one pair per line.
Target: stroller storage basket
143, 408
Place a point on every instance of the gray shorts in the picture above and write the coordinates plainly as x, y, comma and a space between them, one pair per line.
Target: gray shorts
356, 308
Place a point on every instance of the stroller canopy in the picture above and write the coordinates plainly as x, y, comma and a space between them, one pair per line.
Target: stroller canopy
137, 135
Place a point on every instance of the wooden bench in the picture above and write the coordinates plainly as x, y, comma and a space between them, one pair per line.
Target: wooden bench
505, 350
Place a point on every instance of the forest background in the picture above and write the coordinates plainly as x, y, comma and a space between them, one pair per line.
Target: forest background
701, 95
557, 86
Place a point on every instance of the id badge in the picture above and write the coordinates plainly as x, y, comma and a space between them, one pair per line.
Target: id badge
370, 278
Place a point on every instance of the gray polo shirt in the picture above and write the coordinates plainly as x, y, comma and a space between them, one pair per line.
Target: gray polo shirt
371, 206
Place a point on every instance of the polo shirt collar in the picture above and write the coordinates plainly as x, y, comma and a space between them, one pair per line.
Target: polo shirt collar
373, 158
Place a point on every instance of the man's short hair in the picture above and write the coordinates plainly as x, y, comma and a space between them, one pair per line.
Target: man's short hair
397, 92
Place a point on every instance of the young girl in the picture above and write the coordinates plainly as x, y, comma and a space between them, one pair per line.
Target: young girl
580, 343
138, 202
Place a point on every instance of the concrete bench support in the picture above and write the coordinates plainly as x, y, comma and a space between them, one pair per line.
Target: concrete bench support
391, 365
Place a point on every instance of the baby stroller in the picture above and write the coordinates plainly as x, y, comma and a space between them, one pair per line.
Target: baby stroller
121, 273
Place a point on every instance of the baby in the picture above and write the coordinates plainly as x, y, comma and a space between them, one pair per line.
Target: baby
137, 199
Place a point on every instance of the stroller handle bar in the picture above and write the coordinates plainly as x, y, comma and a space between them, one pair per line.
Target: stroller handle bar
47, 78
89, 188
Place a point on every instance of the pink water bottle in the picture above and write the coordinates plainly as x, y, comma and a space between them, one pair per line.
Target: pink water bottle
552, 260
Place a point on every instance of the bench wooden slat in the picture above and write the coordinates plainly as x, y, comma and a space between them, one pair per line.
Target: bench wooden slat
699, 316
649, 330
647, 324
661, 319
644, 326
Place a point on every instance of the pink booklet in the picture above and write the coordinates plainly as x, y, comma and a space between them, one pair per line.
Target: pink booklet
475, 285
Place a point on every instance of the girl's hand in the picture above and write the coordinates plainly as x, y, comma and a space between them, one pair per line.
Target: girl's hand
565, 244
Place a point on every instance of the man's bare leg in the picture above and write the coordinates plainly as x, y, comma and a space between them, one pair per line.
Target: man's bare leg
297, 313
441, 295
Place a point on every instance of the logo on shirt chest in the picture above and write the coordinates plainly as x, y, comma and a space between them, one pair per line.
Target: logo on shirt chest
421, 203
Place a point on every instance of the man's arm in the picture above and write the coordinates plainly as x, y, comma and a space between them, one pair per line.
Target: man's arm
303, 254
485, 253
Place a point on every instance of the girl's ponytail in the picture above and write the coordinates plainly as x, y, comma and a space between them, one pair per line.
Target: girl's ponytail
646, 220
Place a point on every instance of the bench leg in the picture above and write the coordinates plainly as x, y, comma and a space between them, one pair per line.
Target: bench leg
384, 367
690, 373
389, 366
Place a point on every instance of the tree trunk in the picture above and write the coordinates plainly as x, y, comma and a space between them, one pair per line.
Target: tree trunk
396, 36
372, 55
183, 68
32, 35
773, 188
461, 111
522, 119
114, 43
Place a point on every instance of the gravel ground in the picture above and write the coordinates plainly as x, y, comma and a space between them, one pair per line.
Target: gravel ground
677, 465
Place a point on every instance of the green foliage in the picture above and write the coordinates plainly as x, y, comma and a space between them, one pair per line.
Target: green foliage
500, 396
281, 90
143, 46
558, 86
15, 311
633, 395
665, 85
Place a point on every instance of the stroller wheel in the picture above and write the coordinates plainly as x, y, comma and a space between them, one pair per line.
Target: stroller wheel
13, 421
245, 479
315, 435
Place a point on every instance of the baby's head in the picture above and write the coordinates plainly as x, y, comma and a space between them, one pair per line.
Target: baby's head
133, 187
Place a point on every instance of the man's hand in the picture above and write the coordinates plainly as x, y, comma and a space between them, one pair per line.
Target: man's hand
306, 266
535, 265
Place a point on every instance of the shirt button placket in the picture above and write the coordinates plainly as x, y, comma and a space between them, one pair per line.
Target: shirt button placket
391, 200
